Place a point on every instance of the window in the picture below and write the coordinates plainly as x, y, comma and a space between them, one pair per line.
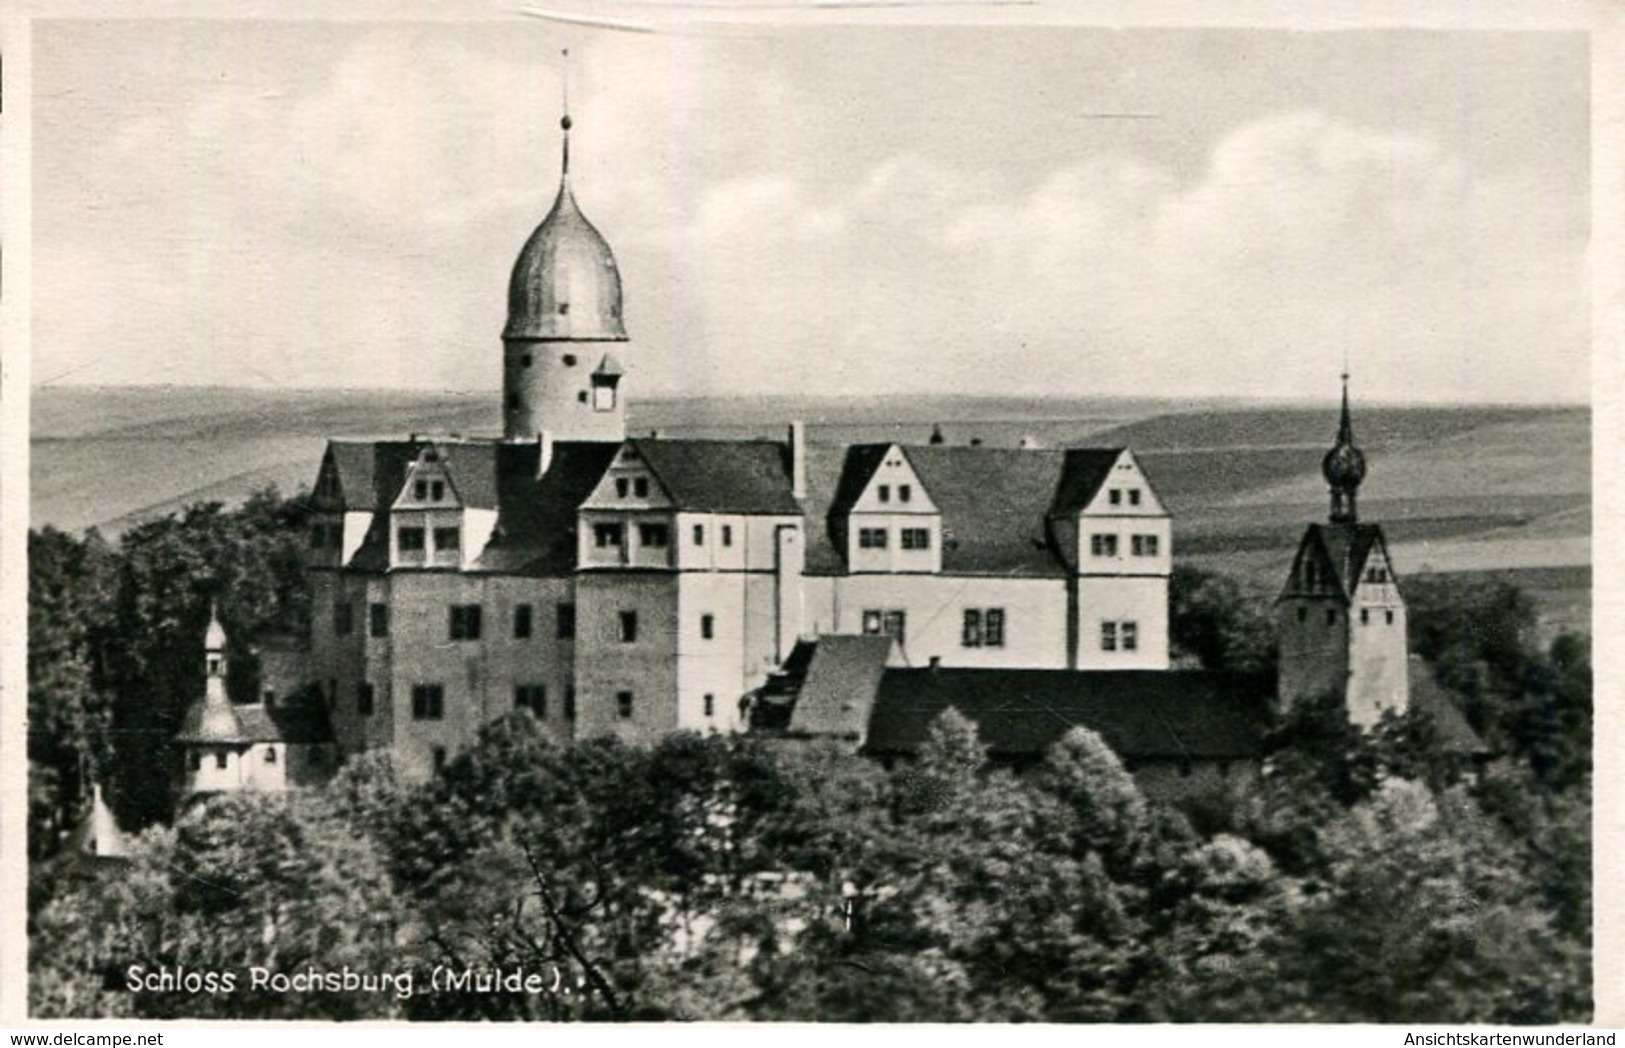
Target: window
904, 491
993, 628
699, 534
318, 536
343, 618
606, 535
1116, 497
521, 621
710, 705
629, 627
623, 705
1130, 635
532, 697
428, 701
1331, 616
727, 534
1365, 616
194, 760
270, 755
916, 538
654, 536
447, 538
220, 760
871, 538
970, 635
364, 695
1103, 545
622, 486
214, 665
438, 755
437, 490
1144, 545
420, 490
640, 487
465, 622
582, 396
378, 620
1133, 496
891, 623
526, 360
567, 622
1303, 613
570, 702
1388, 617
569, 360
884, 491
410, 540
708, 627
1108, 636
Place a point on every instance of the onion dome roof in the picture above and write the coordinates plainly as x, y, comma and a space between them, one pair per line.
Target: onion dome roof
565, 284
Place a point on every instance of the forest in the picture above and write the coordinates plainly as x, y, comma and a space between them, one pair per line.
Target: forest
1365, 877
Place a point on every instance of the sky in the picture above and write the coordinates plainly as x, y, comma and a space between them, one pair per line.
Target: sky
1011, 210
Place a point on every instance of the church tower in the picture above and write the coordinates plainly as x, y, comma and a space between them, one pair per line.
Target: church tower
1340, 617
564, 346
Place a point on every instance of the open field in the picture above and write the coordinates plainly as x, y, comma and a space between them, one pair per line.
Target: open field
1470, 489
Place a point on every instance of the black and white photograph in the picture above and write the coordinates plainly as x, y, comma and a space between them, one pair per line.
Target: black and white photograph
774, 513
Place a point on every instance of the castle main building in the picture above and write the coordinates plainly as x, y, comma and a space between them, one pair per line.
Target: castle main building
635, 586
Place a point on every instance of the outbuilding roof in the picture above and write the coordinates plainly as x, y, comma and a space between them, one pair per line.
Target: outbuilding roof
1142, 714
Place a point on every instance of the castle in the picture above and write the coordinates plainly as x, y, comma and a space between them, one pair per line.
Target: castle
635, 586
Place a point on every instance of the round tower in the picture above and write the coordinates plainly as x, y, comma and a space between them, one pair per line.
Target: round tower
565, 344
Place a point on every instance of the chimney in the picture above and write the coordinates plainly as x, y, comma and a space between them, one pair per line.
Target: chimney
544, 452
798, 460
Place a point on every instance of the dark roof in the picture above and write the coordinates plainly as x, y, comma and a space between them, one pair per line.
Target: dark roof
353, 462
472, 468
1341, 549
1428, 696
859, 466
536, 524
723, 476
297, 722
1086, 469
840, 683
1142, 714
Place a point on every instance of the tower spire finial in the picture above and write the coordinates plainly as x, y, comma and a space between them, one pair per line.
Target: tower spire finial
565, 122
1344, 465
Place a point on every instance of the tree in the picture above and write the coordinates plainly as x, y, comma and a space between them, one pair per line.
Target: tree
1223, 623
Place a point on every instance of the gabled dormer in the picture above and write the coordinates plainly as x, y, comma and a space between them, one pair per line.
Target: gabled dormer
884, 517
1107, 519
433, 521
627, 521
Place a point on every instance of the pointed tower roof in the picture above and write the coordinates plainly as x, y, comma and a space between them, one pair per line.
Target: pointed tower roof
565, 284
214, 638
1344, 467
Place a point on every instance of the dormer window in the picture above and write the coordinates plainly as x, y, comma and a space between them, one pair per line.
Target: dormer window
1116, 496
640, 487
606, 535
437, 490
884, 492
904, 491
1133, 496
622, 486
420, 490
